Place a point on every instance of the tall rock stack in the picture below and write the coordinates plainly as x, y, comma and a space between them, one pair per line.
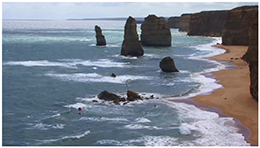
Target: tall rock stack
207, 23
155, 32
99, 36
131, 45
184, 22
235, 31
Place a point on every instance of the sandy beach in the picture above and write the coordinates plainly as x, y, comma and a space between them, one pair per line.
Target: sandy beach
234, 99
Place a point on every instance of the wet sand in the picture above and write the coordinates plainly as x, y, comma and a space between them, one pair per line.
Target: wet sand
234, 99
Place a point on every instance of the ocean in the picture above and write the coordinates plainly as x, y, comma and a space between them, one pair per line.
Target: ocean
51, 68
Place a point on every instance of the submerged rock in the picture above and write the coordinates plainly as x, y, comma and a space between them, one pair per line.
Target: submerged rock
167, 65
131, 45
155, 32
99, 36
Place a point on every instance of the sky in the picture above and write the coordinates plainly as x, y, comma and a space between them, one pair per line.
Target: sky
79, 10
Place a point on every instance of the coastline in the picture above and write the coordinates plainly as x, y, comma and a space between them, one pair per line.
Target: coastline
234, 98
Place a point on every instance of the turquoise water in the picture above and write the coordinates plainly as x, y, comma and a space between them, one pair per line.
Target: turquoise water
50, 68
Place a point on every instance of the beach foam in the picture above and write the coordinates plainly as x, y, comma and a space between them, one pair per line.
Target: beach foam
158, 141
213, 130
209, 49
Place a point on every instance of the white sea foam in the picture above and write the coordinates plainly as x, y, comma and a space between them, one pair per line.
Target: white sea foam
102, 63
142, 120
213, 51
113, 45
94, 77
184, 130
77, 105
66, 137
101, 119
42, 126
56, 115
136, 126
158, 141
208, 84
109, 142
145, 140
70, 63
214, 130
34, 39
43, 63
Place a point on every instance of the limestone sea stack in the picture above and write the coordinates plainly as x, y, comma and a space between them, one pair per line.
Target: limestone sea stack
131, 45
155, 32
167, 65
99, 36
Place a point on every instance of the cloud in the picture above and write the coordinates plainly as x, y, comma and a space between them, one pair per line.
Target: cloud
65, 10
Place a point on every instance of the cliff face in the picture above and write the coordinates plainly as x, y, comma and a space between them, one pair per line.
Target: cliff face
235, 31
173, 22
252, 58
184, 22
131, 45
155, 32
207, 23
99, 36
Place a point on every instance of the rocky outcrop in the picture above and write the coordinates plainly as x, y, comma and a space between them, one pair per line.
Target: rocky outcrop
173, 22
235, 31
108, 96
207, 23
132, 96
155, 32
184, 22
99, 36
167, 65
131, 45
251, 57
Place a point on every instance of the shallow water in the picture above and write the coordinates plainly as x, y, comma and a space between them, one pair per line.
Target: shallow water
50, 68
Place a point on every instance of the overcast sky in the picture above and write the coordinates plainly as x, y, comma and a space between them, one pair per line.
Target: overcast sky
79, 10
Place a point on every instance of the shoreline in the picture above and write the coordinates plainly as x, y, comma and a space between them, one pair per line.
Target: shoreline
234, 98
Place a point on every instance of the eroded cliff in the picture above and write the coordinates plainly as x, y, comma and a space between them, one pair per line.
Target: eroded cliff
236, 28
184, 22
251, 57
173, 22
207, 23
